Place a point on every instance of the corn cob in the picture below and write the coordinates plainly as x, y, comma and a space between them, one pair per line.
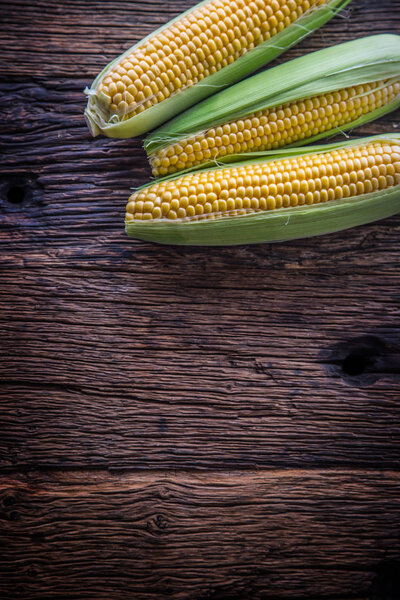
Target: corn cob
208, 47
335, 89
282, 195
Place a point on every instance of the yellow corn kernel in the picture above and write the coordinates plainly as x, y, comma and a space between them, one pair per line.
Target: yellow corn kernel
283, 183
193, 43
281, 125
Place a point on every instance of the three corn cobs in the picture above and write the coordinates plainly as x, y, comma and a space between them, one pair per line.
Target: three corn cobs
233, 168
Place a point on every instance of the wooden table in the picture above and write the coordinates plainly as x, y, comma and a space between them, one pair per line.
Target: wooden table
182, 423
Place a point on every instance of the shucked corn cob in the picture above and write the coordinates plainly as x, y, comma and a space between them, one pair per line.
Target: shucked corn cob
287, 124
333, 89
208, 47
278, 196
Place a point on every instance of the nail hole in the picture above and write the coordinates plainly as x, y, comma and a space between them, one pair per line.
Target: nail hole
8, 501
16, 194
31, 572
38, 537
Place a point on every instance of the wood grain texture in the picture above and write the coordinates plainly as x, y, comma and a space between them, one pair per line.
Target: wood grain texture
185, 535
138, 381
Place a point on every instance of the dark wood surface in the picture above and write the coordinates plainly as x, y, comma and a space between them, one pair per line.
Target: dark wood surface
184, 423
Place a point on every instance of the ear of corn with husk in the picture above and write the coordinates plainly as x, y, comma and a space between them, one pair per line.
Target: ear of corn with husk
300, 101
279, 195
207, 48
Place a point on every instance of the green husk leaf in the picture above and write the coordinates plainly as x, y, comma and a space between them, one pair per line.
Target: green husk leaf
276, 225
97, 117
234, 158
361, 61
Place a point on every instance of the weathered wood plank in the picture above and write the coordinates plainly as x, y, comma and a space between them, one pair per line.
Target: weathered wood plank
104, 335
79, 38
121, 354
76, 187
283, 535
99, 366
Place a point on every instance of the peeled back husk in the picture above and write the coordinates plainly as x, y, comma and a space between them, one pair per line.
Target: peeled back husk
295, 166
372, 60
101, 119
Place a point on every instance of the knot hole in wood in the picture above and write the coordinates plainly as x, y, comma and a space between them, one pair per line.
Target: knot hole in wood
363, 360
17, 192
363, 356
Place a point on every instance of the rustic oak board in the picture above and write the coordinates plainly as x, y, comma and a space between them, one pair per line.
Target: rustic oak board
138, 381
261, 535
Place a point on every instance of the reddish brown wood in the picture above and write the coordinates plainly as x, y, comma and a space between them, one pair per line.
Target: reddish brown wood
146, 360
222, 362
190, 535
